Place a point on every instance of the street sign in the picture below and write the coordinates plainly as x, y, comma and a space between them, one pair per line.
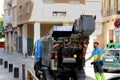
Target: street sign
117, 24
117, 31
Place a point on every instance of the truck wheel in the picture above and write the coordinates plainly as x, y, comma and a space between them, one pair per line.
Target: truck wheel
81, 75
105, 70
40, 76
70, 75
37, 74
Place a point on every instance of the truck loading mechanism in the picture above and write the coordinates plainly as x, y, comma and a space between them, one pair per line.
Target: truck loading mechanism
61, 56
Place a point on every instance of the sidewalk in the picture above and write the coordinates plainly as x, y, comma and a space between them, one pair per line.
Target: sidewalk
5, 75
17, 60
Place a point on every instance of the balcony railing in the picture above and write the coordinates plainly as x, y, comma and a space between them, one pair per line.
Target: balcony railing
111, 11
7, 20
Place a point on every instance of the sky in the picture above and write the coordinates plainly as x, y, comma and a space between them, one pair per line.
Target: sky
1, 7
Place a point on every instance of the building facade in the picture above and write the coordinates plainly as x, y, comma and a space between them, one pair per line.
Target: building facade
28, 20
110, 13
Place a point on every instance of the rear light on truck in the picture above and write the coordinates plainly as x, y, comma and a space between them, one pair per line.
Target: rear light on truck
75, 56
56, 54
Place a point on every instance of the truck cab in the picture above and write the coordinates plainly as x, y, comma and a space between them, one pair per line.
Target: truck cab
111, 58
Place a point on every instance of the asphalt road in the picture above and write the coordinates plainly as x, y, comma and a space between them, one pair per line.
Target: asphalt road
110, 74
18, 60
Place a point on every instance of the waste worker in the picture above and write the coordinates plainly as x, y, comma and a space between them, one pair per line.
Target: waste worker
97, 63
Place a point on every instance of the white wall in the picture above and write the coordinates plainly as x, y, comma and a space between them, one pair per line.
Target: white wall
44, 12
24, 39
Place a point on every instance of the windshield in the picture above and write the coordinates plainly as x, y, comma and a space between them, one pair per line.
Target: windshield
112, 53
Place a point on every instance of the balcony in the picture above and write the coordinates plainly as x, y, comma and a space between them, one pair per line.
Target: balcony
111, 11
8, 1
7, 20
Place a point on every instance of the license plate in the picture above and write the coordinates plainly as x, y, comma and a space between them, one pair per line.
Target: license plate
110, 60
69, 60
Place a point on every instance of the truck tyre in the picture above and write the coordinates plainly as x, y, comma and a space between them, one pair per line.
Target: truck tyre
37, 74
47, 75
70, 75
81, 75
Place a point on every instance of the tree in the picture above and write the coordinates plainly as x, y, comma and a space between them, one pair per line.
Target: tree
1, 22
1, 26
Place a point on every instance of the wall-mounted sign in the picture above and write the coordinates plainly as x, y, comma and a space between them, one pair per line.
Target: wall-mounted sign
117, 24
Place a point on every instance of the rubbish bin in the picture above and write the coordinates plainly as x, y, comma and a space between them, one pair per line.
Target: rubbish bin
5, 64
1, 61
10, 67
16, 72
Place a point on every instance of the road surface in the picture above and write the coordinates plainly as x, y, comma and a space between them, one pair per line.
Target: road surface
17, 60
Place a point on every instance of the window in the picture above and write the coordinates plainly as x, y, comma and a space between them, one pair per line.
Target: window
118, 1
105, 4
5, 12
113, 53
14, 13
9, 11
112, 7
59, 13
27, 7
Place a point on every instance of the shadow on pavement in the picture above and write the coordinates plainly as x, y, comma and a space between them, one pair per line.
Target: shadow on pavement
113, 71
115, 78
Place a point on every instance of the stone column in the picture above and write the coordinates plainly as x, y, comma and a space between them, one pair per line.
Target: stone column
36, 31
24, 39
6, 41
9, 41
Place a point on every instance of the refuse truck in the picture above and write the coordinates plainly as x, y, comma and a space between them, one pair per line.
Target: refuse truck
61, 54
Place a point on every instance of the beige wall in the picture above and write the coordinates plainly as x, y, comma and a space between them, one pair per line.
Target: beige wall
101, 38
24, 16
61, 1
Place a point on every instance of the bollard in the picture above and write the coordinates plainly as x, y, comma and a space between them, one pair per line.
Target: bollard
16, 72
10, 67
23, 72
1, 61
5, 64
